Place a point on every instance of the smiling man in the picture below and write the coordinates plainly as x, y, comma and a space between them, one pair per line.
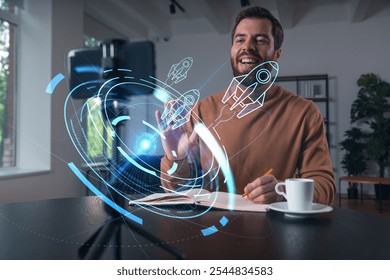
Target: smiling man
285, 133
254, 40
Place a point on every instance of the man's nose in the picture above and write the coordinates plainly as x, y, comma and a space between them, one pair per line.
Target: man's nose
250, 45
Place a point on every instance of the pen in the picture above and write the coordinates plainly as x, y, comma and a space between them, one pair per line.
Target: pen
265, 174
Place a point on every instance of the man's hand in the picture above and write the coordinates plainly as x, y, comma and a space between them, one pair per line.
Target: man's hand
178, 144
262, 190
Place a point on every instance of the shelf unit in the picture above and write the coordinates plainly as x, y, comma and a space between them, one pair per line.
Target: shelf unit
311, 87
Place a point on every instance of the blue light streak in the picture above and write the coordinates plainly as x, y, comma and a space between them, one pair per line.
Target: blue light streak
172, 169
155, 129
219, 155
119, 119
115, 206
209, 230
132, 161
87, 69
54, 82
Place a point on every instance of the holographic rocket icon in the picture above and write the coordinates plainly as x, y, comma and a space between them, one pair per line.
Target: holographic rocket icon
178, 111
243, 95
178, 71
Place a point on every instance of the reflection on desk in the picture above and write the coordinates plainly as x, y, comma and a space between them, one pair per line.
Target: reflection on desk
55, 229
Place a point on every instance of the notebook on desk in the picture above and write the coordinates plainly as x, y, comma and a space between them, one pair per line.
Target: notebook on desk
218, 200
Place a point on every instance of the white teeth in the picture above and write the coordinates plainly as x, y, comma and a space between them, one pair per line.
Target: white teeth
248, 61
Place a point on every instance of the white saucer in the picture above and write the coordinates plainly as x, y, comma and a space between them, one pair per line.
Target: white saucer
316, 209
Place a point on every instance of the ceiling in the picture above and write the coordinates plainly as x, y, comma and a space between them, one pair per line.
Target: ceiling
153, 19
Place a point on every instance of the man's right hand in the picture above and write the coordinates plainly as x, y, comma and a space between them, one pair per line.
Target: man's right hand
177, 141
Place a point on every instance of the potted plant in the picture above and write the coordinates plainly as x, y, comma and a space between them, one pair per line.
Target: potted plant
371, 111
354, 159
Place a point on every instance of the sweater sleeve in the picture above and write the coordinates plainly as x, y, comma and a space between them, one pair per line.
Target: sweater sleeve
315, 162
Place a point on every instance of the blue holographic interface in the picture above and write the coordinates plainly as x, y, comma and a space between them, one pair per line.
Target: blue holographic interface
134, 171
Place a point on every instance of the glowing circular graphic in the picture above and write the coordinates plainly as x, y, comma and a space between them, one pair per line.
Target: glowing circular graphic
146, 144
134, 175
134, 168
263, 72
186, 64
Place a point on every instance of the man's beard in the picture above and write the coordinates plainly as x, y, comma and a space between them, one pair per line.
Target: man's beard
252, 78
236, 72
246, 81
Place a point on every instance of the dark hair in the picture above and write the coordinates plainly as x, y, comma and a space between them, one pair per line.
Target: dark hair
259, 12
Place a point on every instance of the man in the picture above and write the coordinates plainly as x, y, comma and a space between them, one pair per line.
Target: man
286, 133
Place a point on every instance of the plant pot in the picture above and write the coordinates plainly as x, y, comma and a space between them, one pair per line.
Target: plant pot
352, 193
383, 190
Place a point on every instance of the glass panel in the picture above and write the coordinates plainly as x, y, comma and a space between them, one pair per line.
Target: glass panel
7, 94
98, 132
7, 5
99, 141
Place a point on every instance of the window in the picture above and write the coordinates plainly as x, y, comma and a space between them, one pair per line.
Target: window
98, 133
7, 84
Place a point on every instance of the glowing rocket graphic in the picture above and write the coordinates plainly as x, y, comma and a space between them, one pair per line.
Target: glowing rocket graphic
178, 71
178, 111
243, 95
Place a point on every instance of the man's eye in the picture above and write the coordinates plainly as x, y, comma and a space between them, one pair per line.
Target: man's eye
262, 41
239, 40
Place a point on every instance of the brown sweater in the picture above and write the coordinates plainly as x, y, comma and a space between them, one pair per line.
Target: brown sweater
287, 134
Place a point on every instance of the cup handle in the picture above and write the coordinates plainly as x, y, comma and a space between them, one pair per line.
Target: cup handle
279, 191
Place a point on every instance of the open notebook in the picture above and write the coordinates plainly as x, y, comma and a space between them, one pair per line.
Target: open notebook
220, 200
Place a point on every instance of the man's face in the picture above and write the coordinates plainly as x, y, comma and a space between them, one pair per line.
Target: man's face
253, 44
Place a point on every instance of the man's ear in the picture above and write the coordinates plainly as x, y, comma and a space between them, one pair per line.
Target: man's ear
277, 54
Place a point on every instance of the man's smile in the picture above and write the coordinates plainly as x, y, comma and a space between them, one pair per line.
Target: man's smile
249, 60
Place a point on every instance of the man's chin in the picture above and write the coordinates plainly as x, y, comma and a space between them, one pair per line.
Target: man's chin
246, 80
244, 71
241, 70
239, 73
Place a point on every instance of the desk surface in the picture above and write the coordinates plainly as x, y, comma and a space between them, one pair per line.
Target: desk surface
55, 229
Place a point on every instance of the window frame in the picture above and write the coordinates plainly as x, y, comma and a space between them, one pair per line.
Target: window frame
13, 19
33, 147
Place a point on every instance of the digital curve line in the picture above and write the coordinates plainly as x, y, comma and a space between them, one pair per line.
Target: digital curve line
172, 169
115, 206
119, 119
155, 129
132, 161
54, 82
219, 155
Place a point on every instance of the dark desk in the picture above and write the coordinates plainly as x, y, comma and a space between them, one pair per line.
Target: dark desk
55, 229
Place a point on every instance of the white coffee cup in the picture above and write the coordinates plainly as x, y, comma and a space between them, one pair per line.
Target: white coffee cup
299, 193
